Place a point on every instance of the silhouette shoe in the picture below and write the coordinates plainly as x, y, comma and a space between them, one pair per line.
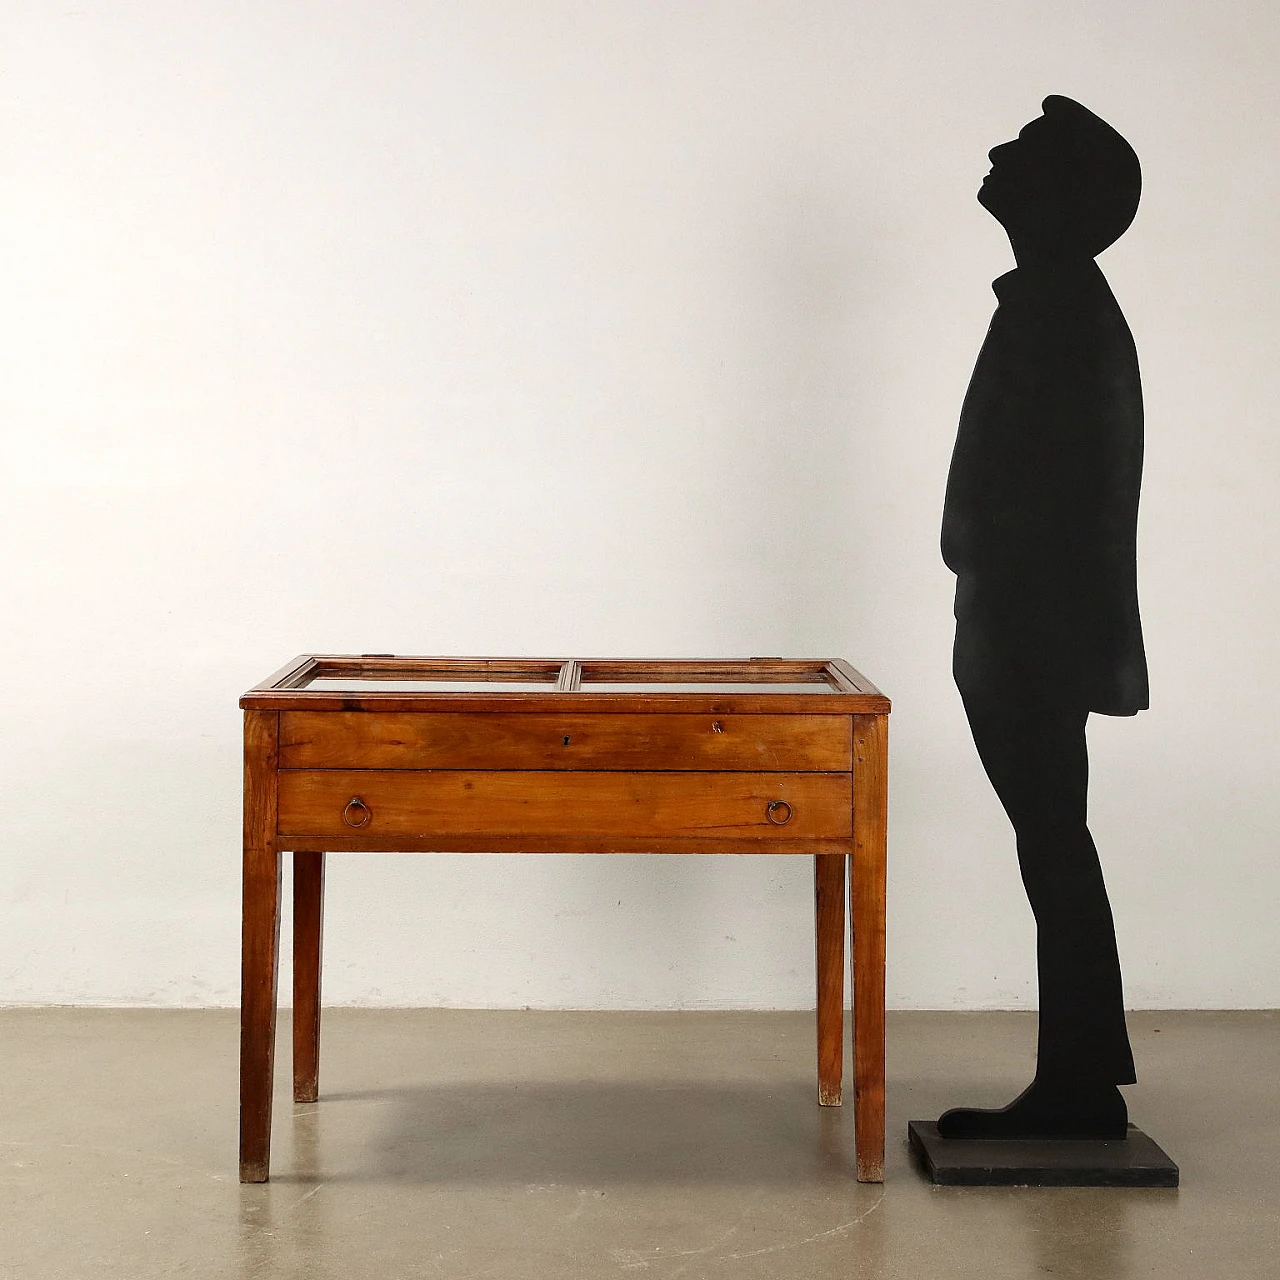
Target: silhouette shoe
1044, 1110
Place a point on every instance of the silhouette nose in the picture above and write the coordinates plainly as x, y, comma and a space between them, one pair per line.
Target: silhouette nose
994, 154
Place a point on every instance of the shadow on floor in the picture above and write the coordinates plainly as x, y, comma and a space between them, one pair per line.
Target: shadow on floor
634, 1132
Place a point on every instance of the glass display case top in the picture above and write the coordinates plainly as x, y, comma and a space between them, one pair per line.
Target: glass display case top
391, 674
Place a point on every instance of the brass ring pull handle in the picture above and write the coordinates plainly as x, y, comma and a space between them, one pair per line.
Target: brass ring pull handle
357, 813
778, 812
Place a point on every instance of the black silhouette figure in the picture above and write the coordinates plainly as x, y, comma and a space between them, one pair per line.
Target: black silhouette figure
1040, 529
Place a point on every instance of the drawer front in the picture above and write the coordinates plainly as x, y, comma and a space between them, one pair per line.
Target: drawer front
484, 740
376, 804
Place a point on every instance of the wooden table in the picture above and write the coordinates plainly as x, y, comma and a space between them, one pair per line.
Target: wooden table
500, 755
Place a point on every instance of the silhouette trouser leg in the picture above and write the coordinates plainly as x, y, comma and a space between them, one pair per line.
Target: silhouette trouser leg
1038, 764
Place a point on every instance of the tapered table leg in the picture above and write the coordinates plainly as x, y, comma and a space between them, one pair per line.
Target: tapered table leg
260, 942
829, 928
867, 911
308, 930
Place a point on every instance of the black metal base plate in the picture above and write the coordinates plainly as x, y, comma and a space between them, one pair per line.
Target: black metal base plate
1135, 1161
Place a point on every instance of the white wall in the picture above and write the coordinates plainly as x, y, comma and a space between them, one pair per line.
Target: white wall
568, 328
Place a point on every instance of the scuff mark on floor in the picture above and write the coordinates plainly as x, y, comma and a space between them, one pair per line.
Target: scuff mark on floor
297, 1204
821, 1235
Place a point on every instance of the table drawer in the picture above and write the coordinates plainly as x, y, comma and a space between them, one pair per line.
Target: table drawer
378, 804
484, 740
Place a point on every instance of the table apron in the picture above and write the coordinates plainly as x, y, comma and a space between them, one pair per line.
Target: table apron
572, 741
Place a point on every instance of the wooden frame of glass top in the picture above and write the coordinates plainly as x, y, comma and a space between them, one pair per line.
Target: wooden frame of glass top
753, 685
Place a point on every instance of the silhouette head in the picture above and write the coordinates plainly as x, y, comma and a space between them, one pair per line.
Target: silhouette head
1066, 187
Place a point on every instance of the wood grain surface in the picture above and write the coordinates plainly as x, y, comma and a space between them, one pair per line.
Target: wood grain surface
829, 932
569, 741
308, 949
867, 907
260, 943
585, 805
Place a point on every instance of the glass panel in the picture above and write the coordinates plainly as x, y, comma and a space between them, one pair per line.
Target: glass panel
702, 686
428, 683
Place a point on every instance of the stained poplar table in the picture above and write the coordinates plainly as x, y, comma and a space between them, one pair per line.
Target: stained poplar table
378, 753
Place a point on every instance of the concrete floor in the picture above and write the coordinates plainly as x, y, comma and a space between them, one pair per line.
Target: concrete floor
545, 1146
